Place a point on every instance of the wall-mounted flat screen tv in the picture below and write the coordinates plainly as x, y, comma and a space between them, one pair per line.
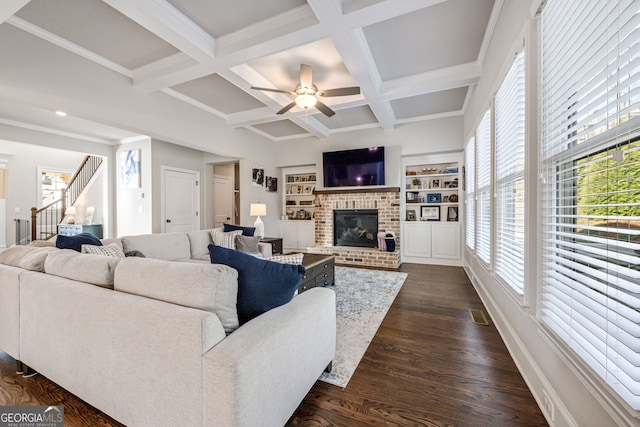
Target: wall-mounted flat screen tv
347, 168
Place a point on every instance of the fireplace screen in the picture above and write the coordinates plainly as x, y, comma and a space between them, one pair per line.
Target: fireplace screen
355, 227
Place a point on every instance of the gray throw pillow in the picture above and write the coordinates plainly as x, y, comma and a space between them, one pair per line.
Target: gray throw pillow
248, 244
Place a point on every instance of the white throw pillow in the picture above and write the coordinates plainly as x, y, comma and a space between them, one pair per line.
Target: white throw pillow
226, 240
111, 249
288, 259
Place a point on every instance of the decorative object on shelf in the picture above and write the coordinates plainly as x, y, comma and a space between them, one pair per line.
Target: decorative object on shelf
451, 184
411, 215
435, 183
88, 218
451, 169
258, 210
434, 198
445, 199
464, 177
417, 183
306, 202
452, 214
291, 203
271, 185
453, 198
430, 213
70, 212
130, 168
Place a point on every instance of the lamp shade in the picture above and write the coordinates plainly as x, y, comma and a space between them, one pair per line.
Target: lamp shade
90, 211
71, 210
258, 209
306, 101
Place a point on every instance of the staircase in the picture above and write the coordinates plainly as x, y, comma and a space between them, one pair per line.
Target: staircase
44, 221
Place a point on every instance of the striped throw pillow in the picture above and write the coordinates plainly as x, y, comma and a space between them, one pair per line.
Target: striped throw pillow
288, 259
111, 249
226, 240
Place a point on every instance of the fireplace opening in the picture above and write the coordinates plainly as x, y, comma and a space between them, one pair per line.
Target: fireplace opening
355, 227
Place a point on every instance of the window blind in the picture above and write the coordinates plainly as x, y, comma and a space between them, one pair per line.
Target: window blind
590, 193
470, 196
483, 183
509, 113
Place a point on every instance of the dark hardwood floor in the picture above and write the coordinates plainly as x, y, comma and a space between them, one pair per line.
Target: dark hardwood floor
428, 365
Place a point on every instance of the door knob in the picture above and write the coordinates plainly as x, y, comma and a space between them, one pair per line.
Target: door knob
168, 220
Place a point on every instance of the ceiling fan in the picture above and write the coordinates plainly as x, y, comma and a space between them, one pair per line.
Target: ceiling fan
306, 93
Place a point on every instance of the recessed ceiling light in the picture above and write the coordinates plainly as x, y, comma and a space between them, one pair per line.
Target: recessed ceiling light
61, 113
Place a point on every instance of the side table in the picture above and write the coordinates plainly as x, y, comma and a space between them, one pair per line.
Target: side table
276, 244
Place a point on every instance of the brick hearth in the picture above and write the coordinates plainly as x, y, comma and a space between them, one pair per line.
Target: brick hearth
386, 200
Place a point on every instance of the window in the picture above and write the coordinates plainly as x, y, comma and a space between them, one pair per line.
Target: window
470, 196
483, 182
510, 157
52, 185
590, 190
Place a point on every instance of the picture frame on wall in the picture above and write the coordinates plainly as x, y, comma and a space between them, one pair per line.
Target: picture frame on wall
271, 184
411, 215
430, 213
130, 169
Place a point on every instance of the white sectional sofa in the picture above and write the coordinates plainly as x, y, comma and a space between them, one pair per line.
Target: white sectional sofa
147, 340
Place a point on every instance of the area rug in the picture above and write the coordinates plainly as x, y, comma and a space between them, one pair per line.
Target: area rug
363, 298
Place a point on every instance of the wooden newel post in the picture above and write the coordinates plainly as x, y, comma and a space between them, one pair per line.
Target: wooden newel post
33, 223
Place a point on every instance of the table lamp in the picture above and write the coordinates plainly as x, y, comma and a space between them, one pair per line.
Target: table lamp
70, 212
88, 219
258, 209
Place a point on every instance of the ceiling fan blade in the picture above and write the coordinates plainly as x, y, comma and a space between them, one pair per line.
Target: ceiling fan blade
270, 90
286, 108
342, 91
324, 109
306, 75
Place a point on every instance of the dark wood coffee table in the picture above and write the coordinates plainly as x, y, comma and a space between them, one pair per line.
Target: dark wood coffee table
320, 271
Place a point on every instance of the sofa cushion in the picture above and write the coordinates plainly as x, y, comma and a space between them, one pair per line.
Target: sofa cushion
76, 242
27, 257
248, 244
199, 242
95, 269
226, 240
166, 246
208, 287
246, 231
262, 284
112, 249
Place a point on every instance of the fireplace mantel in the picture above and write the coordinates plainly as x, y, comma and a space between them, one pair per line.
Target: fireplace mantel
359, 190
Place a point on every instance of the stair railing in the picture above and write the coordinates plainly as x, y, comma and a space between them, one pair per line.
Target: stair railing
44, 221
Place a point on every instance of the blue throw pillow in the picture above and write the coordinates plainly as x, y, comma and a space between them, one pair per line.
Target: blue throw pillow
246, 231
76, 242
262, 284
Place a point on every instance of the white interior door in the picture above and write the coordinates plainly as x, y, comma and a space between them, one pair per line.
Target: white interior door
181, 200
222, 200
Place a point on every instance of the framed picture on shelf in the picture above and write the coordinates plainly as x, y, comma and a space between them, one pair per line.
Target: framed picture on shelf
452, 213
445, 199
430, 213
411, 215
435, 183
434, 198
451, 184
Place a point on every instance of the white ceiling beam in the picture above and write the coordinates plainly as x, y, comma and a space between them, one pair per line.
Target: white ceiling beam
431, 81
384, 10
165, 21
491, 27
9, 7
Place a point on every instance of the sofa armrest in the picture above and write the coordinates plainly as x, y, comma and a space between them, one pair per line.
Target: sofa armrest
265, 249
260, 373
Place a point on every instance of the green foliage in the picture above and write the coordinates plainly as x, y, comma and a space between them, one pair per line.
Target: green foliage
609, 188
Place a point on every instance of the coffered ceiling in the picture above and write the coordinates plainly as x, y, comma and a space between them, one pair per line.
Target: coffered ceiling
414, 60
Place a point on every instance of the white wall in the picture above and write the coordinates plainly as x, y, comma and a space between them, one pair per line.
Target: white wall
23, 162
576, 399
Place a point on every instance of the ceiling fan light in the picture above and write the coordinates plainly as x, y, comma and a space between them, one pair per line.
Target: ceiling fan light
306, 101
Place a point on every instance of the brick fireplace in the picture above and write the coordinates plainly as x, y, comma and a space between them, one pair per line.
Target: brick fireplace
385, 200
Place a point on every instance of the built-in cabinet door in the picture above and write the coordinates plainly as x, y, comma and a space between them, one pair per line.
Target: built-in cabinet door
289, 234
416, 238
306, 234
445, 241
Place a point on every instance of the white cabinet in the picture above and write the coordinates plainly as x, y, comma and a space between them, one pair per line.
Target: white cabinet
431, 227
416, 240
297, 235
